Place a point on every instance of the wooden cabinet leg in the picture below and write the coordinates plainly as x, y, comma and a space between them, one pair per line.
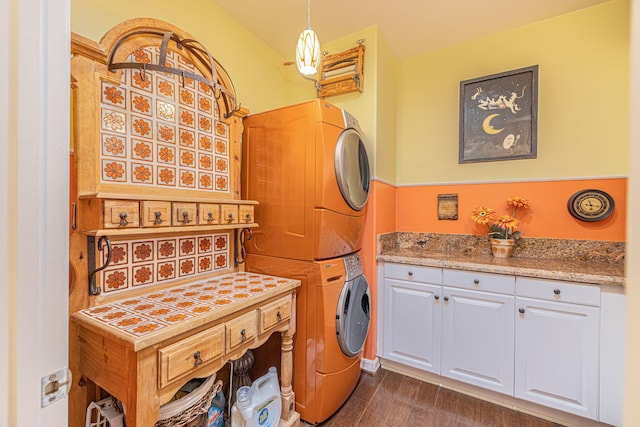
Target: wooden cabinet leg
286, 372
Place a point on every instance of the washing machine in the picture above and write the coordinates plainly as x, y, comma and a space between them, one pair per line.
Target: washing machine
308, 168
333, 315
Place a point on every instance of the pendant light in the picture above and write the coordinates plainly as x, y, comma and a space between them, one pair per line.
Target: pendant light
308, 48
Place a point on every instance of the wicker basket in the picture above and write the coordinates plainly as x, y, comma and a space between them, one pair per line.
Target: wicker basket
179, 416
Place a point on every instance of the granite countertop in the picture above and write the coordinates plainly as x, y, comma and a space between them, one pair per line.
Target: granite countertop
601, 264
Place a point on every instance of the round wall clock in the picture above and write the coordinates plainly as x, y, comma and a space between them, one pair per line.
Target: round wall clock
591, 205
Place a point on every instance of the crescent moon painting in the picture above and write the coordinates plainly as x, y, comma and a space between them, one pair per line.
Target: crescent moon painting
488, 127
499, 116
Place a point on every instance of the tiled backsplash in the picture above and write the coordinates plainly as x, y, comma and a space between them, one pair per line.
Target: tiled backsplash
528, 247
146, 261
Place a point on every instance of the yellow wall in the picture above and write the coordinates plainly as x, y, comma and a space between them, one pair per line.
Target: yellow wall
583, 98
257, 72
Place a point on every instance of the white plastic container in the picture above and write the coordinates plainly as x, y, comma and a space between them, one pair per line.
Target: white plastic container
259, 405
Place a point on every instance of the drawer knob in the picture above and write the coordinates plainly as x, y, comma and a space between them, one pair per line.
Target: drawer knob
556, 291
230, 217
410, 273
476, 281
243, 335
521, 310
436, 297
123, 219
279, 316
247, 217
185, 217
158, 220
198, 361
210, 217
446, 298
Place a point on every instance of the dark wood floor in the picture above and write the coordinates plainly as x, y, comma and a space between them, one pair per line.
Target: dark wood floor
393, 400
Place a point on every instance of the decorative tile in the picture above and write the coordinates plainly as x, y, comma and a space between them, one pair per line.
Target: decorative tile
142, 80
113, 121
143, 251
222, 183
204, 123
204, 103
205, 264
187, 117
141, 150
113, 95
166, 249
141, 127
141, 103
165, 111
220, 242
187, 246
187, 158
205, 180
142, 274
221, 146
221, 261
166, 271
141, 173
187, 138
187, 267
187, 179
166, 176
115, 279
166, 154
114, 171
165, 88
204, 142
166, 133
113, 145
221, 164
119, 254
204, 244
205, 162
187, 97
222, 130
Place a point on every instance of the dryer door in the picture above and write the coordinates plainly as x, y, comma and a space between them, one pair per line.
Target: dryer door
352, 169
352, 318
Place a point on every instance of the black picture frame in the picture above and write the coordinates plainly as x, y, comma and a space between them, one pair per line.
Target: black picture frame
499, 116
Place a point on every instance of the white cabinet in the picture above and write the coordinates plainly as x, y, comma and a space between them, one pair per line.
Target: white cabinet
557, 348
478, 329
412, 317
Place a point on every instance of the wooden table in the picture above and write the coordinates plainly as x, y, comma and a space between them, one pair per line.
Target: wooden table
142, 350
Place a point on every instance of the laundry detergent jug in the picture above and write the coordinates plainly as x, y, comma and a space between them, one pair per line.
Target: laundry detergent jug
259, 405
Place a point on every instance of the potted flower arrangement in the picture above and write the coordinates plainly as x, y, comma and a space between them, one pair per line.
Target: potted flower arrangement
503, 229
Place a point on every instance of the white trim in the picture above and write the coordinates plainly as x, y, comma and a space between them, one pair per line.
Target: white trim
508, 181
384, 181
370, 366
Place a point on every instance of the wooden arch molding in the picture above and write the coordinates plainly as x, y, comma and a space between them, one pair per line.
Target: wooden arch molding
113, 45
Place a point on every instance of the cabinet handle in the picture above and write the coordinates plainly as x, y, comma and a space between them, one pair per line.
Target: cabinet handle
123, 219
157, 221
198, 361
410, 273
476, 281
185, 217
521, 310
243, 335
247, 217
446, 298
437, 297
556, 291
279, 316
210, 217
230, 217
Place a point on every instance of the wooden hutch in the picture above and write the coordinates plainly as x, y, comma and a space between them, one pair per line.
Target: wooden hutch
158, 294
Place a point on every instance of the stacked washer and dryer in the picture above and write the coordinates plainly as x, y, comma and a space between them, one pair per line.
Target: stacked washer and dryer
308, 168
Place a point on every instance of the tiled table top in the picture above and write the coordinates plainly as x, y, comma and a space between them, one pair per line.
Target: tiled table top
152, 317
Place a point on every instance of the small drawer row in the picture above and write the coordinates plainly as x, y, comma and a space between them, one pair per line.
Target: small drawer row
123, 214
189, 354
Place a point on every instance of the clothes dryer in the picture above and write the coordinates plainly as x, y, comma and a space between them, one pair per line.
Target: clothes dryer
308, 168
333, 315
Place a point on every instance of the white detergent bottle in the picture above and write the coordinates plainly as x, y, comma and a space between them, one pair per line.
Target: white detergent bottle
259, 405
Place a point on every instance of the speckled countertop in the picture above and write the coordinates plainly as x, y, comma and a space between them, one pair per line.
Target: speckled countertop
593, 262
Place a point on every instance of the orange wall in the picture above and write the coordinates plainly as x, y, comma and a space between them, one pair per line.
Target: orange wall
380, 219
415, 209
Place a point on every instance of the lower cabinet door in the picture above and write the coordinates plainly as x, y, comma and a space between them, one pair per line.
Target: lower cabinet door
557, 355
412, 324
478, 338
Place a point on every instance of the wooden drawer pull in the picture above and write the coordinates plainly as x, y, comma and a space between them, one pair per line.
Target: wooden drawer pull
279, 316
243, 334
185, 217
230, 217
247, 217
123, 219
210, 217
198, 361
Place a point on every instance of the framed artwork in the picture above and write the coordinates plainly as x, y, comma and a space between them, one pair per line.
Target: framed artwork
498, 116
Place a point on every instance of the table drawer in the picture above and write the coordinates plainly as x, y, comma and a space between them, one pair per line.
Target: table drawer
190, 354
184, 214
241, 330
274, 314
413, 273
558, 290
229, 214
489, 282
245, 214
121, 214
155, 214
208, 214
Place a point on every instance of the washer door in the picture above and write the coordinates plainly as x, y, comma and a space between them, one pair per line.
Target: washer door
352, 169
352, 317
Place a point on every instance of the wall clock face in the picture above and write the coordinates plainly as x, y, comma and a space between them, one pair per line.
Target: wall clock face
591, 205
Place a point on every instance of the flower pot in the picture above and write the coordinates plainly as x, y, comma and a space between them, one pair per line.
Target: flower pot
501, 248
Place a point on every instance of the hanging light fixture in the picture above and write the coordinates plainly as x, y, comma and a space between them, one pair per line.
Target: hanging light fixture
308, 48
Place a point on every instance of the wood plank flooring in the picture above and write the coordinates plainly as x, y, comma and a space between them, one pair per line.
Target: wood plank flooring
393, 400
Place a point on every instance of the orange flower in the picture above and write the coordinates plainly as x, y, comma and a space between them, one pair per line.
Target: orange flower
503, 226
507, 222
518, 202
